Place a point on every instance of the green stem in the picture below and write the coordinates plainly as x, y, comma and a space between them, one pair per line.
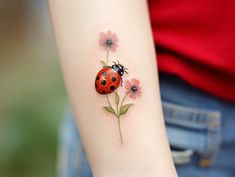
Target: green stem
108, 101
124, 99
107, 57
119, 127
119, 116
117, 109
111, 105
117, 103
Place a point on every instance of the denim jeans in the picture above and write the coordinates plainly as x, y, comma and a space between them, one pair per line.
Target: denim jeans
200, 128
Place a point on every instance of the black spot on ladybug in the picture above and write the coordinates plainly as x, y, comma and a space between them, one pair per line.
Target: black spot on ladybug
104, 73
103, 92
97, 78
103, 82
112, 87
96, 85
114, 79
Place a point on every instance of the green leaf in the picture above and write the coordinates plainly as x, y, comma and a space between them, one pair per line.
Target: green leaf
125, 108
117, 98
109, 109
103, 63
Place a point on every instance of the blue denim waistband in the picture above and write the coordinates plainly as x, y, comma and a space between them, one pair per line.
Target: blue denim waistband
194, 129
190, 117
193, 118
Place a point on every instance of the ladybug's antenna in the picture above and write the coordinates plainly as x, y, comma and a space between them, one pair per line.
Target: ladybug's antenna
120, 63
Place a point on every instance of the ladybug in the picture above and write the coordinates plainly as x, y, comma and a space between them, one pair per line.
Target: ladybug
109, 78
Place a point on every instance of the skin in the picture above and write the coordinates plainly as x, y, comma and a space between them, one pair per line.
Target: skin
77, 24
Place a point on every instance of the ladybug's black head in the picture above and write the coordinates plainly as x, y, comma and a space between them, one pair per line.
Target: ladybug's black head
119, 68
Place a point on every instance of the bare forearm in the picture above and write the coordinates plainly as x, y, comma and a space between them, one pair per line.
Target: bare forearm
144, 150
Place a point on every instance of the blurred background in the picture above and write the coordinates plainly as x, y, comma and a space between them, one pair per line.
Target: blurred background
32, 96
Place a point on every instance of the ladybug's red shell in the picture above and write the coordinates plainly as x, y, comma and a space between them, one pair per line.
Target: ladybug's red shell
107, 80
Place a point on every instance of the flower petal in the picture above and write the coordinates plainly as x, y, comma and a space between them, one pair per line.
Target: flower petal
138, 93
102, 43
138, 87
102, 35
114, 38
127, 84
132, 95
102, 39
113, 47
135, 82
109, 34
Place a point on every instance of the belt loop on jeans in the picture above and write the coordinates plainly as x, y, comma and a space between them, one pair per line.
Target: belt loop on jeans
214, 139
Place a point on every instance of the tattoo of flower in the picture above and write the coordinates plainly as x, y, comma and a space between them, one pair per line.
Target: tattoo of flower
108, 40
133, 88
109, 78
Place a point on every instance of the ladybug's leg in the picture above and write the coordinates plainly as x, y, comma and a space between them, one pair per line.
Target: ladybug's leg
121, 82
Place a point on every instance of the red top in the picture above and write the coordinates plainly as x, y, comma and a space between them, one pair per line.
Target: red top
196, 41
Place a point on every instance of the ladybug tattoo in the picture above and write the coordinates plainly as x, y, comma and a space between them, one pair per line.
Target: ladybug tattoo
109, 78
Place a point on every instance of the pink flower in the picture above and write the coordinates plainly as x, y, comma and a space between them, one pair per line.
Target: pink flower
108, 40
132, 88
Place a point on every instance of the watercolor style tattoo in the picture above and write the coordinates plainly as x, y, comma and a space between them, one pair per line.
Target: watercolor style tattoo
110, 77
